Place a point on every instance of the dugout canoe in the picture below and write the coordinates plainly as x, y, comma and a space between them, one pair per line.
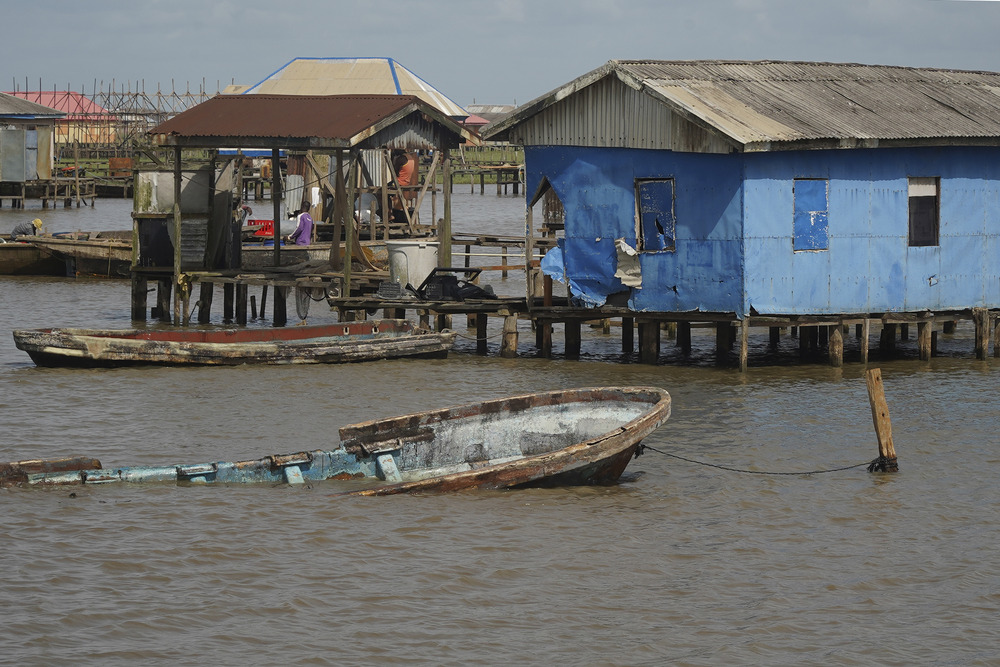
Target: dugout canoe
320, 344
556, 438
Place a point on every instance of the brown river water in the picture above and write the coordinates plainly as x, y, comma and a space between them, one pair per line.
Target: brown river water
680, 563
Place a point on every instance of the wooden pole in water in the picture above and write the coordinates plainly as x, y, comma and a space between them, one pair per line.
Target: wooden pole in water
886, 461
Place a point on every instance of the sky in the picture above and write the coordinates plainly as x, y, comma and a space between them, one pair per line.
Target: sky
496, 52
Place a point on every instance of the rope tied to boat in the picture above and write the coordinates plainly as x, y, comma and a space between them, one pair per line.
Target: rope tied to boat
871, 465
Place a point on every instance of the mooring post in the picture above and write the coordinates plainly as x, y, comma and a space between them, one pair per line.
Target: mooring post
886, 461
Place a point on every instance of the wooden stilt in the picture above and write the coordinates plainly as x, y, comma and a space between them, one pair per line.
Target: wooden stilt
628, 335
279, 310
206, 292
139, 289
545, 338
228, 296
980, 316
883, 425
572, 332
241, 304
684, 337
481, 347
508, 345
253, 306
924, 340
835, 347
887, 341
263, 300
744, 343
163, 289
865, 332
649, 342
904, 331
774, 337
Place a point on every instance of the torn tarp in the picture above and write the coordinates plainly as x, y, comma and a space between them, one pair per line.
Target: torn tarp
588, 266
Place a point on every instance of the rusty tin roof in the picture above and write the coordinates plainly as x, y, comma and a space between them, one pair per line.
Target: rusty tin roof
769, 105
298, 121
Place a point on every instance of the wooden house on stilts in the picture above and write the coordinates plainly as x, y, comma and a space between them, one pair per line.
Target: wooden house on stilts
187, 233
770, 194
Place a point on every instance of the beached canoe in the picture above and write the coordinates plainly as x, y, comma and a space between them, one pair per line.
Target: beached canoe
570, 437
320, 344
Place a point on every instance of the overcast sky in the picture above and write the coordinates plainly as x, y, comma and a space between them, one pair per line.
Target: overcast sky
495, 52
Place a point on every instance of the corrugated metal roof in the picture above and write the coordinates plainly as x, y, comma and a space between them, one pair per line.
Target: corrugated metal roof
758, 104
12, 106
263, 121
352, 76
75, 105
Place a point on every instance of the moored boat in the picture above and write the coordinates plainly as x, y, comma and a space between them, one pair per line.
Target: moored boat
103, 254
25, 259
568, 437
318, 344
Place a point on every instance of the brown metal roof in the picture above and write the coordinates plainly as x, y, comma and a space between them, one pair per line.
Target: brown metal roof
763, 104
293, 121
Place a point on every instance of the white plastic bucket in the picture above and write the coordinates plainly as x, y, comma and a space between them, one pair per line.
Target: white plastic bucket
411, 261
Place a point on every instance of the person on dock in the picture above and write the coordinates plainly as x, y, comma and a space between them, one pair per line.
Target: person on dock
26, 229
303, 227
404, 168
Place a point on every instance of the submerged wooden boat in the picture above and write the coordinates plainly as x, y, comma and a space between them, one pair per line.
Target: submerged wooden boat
321, 344
103, 254
25, 259
571, 437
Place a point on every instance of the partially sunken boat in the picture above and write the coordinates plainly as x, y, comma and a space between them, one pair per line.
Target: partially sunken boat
571, 437
321, 344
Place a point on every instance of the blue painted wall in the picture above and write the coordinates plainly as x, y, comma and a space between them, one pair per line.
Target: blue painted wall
597, 189
735, 217
869, 266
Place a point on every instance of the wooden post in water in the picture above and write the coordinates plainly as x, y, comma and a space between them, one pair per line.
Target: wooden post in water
981, 318
628, 335
508, 345
241, 303
883, 426
684, 337
924, 340
139, 289
744, 343
571, 330
207, 291
835, 347
865, 332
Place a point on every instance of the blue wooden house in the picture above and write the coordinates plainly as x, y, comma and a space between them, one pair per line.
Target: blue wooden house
776, 189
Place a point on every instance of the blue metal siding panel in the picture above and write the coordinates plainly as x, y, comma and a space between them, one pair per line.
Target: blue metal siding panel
849, 289
597, 190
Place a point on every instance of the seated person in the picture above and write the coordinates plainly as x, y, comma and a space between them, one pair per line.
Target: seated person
303, 227
26, 229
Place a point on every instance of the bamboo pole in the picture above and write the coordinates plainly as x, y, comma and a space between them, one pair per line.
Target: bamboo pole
886, 461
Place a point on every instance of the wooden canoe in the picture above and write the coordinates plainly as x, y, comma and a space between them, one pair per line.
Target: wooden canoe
571, 437
104, 254
321, 344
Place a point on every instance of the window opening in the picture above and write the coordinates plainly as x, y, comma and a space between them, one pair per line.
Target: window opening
811, 218
656, 224
924, 207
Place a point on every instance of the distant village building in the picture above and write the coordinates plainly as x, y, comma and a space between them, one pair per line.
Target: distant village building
350, 76
770, 188
83, 120
26, 139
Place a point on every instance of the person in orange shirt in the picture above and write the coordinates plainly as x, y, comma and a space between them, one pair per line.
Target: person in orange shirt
404, 166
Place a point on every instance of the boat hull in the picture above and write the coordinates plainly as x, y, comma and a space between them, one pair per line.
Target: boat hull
24, 259
604, 427
326, 344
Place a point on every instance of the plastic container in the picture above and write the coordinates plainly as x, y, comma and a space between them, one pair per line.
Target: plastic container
411, 261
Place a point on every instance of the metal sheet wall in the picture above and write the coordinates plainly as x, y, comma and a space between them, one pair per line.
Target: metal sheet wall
610, 114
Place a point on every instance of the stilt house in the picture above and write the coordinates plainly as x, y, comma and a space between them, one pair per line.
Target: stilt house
770, 188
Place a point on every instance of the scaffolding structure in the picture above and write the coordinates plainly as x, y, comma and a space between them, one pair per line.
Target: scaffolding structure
112, 118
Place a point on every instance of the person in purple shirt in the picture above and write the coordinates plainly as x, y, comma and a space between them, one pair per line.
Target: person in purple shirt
303, 227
